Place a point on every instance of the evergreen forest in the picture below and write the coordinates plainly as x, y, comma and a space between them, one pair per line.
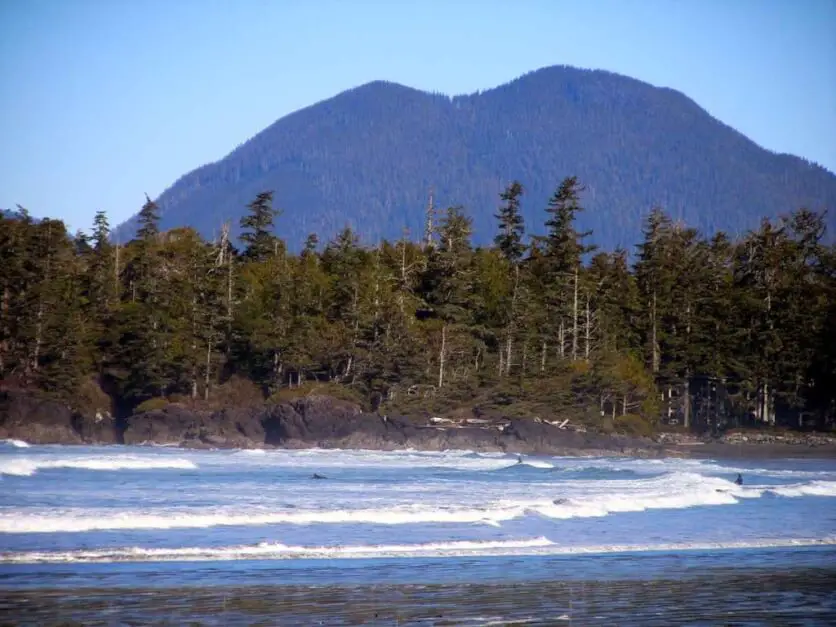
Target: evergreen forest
700, 332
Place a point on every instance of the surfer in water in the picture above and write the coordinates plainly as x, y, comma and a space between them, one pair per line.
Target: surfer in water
739, 480
519, 459
316, 475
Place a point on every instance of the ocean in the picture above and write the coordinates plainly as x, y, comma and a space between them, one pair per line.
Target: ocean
122, 535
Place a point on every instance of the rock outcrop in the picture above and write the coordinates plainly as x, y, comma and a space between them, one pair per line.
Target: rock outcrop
39, 420
182, 426
326, 422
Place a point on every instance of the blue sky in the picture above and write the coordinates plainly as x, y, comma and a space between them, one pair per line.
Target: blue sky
104, 100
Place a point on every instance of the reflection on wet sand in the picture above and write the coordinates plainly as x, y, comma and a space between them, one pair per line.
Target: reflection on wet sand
800, 597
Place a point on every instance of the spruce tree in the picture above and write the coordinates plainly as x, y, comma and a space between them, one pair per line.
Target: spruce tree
509, 243
149, 220
447, 281
563, 251
511, 224
257, 228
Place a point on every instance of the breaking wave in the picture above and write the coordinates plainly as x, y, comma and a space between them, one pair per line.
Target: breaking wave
26, 467
265, 550
16, 443
671, 491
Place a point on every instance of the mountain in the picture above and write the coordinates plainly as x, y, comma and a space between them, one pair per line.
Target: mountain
368, 157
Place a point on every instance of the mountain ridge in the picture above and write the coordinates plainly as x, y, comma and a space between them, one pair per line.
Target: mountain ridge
368, 157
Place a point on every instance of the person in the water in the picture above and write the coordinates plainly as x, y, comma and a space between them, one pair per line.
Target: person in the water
519, 459
739, 480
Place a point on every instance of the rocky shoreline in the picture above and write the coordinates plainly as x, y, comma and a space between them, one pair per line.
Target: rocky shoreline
325, 422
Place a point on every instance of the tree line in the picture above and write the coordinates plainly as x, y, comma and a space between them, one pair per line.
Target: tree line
703, 332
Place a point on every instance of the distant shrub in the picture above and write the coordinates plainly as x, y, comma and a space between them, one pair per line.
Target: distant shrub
237, 391
151, 404
334, 390
91, 399
632, 424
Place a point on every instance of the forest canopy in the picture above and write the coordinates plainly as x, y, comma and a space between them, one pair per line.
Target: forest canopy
702, 332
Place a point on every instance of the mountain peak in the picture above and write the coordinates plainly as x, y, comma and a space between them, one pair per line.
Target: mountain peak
367, 156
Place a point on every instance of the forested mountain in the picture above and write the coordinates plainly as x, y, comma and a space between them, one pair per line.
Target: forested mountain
705, 331
369, 157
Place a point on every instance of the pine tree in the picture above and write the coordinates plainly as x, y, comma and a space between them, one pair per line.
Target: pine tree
447, 282
563, 251
257, 228
509, 243
511, 224
149, 220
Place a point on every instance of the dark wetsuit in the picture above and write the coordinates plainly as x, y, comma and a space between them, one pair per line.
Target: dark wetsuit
739, 480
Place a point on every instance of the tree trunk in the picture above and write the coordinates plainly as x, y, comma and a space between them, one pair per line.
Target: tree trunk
206, 375
228, 303
543, 357
575, 319
442, 355
401, 299
624, 405
561, 341
512, 321
654, 339
686, 402
429, 227
588, 332
524, 357
508, 353
38, 334
277, 369
116, 272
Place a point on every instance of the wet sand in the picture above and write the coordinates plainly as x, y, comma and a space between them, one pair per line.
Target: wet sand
723, 597
760, 450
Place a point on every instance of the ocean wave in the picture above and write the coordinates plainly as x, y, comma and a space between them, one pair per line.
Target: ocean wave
81, 521
813, 488
26, 467
586, 499
540, 546
16, 443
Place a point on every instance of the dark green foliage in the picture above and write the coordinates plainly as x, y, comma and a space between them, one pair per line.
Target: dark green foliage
511, 224
367, 157
148, 220
538, 329
257, 228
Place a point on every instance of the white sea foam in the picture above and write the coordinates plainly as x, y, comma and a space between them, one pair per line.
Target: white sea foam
584, 499
16, 443
80, 521
27, 467
534, 546
814, 488
536, 463
405, 459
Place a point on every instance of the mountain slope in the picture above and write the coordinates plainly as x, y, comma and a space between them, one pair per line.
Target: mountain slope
368, 157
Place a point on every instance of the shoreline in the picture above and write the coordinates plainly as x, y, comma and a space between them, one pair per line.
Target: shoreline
328, 423
707, 451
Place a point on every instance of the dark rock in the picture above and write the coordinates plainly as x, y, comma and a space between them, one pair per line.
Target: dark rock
35, 419
170, 425
176, 424
101, 428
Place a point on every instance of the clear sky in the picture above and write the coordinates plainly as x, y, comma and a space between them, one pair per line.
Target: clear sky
104, 100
